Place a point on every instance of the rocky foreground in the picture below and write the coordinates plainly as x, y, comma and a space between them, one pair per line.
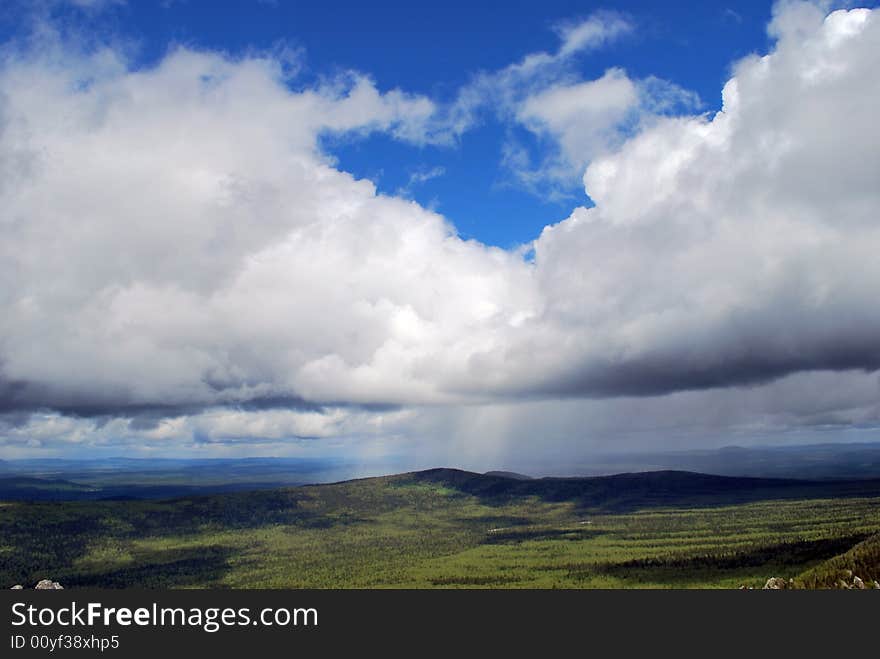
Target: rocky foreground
773, 583
43, 584
852, 582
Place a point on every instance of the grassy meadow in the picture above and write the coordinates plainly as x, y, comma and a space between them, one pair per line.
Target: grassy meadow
454, 529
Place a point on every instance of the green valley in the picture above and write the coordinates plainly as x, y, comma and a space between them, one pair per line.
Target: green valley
448, 528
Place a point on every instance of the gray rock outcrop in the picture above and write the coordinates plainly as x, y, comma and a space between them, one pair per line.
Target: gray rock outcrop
775, 583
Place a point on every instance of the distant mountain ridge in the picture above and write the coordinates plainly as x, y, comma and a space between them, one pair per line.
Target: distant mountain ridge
617, 491
156, 478
840, 461
828, 461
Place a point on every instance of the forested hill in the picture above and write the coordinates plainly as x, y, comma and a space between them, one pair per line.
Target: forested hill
645, 489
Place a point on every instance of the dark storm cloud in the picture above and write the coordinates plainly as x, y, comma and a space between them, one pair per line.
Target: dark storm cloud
727, 360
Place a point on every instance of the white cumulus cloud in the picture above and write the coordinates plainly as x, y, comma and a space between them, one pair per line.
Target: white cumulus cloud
176, 246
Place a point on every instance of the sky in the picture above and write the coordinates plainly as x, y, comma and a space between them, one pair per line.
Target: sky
477, 235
